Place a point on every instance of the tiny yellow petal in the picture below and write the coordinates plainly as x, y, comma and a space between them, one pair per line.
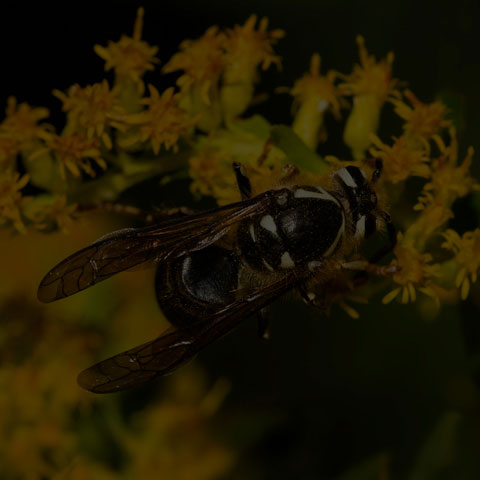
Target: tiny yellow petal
411, 290
351, 312
465, 289
404, 295
460, 276
391, 295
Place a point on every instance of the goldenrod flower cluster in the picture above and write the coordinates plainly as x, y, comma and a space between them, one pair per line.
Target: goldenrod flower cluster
121, 133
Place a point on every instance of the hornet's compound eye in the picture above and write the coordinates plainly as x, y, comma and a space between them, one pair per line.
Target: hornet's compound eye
357, 176
365, 226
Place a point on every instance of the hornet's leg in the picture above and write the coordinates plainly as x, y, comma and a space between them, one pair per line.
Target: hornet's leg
266, 150
263, 324
392, 238
289, 173
367, 267
146, 217
243, 181
118, 208
307, 296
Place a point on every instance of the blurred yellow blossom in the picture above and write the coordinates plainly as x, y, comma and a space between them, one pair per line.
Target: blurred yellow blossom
212, 175
314, 94
421, 119
35, 438
158, 443
161, 123
202, 62
59, 431
11, 198
21, 123
370, 84
73, 153
467, 257
51, 212
401, 160
91, 110
20, 131
130, 57
9, 150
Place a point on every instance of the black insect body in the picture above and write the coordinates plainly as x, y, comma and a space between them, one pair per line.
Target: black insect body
218, 267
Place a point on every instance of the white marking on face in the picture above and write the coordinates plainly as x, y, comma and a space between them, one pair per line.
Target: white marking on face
311, 296
344, 174
269, 267
340, 234
322, 194
268, 223
360, 227
252, 232
286, 261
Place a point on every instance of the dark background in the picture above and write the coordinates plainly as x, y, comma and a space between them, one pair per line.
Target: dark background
327, 392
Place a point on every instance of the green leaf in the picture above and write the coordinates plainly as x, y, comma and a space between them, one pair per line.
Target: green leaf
256, 125
134, 170
297, 151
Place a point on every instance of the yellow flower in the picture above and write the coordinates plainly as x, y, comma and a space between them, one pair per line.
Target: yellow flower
202, 61
36, 439
130, 57
401, 160
313, 95
421, 119
155, 448
11, 198
449, 180
21, 125
51, 211
9, 150
74, 153
370, 83
246, 50
416, 272
211, 165
161, 123
212, 175
90, 110
433, 215
467, 256
371, 77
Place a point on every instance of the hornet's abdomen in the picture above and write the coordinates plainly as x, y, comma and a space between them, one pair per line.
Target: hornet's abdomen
307, 224
191, 288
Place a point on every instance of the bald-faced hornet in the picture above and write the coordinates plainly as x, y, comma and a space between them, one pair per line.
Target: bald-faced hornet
217, 267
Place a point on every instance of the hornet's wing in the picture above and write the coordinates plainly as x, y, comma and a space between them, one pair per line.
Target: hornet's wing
174, 347
128, 248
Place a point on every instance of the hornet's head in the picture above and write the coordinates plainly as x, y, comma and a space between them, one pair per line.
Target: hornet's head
361, 198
